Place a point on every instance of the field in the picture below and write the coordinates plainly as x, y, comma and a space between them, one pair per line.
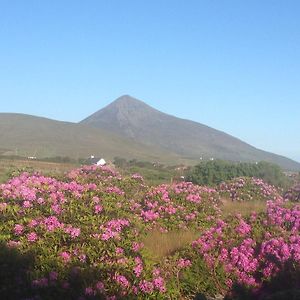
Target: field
94, 233
7, 166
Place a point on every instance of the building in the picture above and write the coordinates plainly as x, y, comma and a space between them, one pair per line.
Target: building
96, 161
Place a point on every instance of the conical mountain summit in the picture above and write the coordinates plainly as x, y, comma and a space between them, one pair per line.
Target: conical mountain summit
135, 120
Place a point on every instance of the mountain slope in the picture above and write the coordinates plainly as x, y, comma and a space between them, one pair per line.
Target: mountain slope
131, 118
27, 135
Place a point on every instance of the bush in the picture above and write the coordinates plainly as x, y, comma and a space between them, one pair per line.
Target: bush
82, 236
217, 171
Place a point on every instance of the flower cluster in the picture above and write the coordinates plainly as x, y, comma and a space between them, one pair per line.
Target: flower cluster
247, 189
254, 250
87, 234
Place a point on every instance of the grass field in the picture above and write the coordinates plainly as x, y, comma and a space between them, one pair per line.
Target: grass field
9, 165
161, 244
244, 208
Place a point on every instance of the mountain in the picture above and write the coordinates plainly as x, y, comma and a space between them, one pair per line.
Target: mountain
130, 129
133, 119
27, 135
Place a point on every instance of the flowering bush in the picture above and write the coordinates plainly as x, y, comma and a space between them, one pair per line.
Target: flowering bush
293, 194
85, 230
81, 237
252, 251
247, 189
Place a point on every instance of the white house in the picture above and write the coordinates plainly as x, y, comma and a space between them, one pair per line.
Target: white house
101, 162
97, 161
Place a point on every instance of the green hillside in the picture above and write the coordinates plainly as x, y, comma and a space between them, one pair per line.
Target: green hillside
25, 135
132, 118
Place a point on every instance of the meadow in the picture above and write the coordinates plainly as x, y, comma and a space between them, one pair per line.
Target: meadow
9, 166
93, 233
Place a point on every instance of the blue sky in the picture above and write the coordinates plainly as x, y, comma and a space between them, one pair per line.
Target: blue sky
232, 65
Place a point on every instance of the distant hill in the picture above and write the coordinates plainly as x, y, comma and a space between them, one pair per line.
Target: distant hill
133, 119
26, 135
130, 129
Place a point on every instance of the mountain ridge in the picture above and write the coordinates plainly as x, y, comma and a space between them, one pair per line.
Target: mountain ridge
127, 128
134, 119
43, 137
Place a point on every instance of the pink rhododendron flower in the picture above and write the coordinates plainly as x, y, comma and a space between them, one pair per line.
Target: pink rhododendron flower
32, 237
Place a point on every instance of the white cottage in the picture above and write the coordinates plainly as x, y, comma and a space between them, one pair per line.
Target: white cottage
101, 162
97, 161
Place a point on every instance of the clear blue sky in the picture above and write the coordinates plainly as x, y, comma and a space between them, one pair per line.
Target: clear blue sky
232, 65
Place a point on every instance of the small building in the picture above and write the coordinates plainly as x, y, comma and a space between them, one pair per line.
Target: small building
96, 161
101, 162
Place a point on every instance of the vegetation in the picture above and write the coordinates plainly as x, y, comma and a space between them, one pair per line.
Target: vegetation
30, 136
293, 193
93, 234
126, 128
11, 166
154, 173
216, 171
134, 120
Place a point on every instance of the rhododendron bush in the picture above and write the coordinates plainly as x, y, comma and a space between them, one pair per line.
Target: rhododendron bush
252, 250
247, 189
81, 237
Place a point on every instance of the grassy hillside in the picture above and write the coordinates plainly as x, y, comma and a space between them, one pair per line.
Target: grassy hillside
9, 166
26, 135
137, 121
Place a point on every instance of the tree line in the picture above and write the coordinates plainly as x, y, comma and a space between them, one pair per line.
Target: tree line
217, 171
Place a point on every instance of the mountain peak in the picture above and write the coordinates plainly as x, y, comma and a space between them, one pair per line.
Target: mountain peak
131, 118
127, 100
126, 107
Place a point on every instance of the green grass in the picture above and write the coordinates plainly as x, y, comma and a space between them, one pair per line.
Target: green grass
161, 244
243, 208
7, 166
25, 135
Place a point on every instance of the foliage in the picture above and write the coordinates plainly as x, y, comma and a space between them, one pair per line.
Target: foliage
217, 171
89, 235
248, 189
153, 173
293, 193
255, 251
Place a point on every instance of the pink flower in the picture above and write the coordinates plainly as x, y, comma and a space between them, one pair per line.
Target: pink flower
98, 208
18, 229
32, 237
122, 280
72, 231
146, 286
183, 263
119, 251
136, 246
40, 201
65, 256
56, 209
33, 223
96, 199
159, 284
138, 269
27, 204
243, 228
